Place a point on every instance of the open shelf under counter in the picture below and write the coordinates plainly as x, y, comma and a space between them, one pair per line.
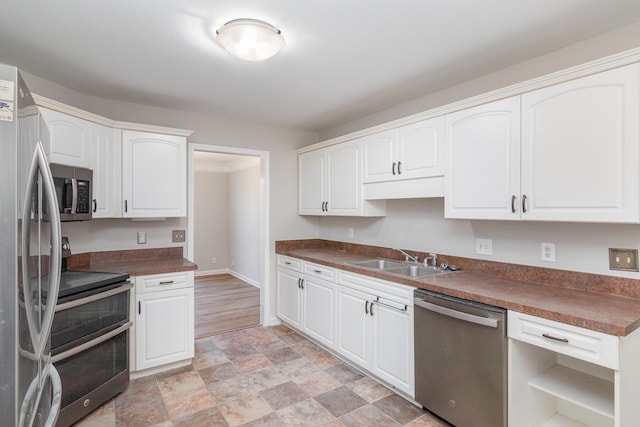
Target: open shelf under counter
561, 421
583, 390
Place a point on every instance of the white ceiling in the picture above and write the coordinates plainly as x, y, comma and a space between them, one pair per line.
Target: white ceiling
343, 59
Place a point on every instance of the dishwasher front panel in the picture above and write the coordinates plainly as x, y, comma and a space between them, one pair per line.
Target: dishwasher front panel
460, 360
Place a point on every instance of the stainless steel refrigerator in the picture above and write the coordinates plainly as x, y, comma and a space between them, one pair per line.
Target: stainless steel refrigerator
30, 262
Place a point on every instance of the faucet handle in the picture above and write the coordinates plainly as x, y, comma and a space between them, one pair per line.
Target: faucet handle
433, 257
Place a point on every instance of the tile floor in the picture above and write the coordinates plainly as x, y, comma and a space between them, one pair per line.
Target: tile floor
259, 377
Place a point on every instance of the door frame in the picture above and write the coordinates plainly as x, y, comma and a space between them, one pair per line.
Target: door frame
264, 213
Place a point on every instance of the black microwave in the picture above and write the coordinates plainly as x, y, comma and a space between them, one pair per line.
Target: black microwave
74, 191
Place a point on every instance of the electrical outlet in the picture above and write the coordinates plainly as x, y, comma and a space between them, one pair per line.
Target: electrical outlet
214, 260
548, 252
484, 246
142, 237
623, 259
177, 235
350, 233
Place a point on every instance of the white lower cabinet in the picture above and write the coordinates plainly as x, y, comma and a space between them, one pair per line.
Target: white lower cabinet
367, 321
307, 301
563, 375
164, 319
375, 328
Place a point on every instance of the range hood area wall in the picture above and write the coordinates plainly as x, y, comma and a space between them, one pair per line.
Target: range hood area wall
419, 225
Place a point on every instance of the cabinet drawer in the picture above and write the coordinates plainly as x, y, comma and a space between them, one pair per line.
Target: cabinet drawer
163, 282
290, 263
584, 344
318, 270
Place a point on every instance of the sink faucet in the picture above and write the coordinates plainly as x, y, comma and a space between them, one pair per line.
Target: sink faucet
407, 257
434, 259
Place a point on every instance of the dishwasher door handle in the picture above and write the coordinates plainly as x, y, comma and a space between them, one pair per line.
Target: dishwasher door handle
484, 321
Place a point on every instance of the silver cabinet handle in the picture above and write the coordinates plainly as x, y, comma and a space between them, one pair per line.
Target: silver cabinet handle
390, 306
301, 283
166, 282
513, 204
89, 344
95, 205
287, 263
484, 321
551, 337
524, 203
125, 206
399, 170
393, 168
317, 271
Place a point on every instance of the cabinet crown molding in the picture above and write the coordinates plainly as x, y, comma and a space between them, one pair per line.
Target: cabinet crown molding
603, 64
51, 104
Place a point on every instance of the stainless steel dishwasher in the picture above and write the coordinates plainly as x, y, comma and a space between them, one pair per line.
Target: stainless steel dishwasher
460, 359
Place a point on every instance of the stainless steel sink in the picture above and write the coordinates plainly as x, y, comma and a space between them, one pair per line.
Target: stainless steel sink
379, 264
399, 267
415, 270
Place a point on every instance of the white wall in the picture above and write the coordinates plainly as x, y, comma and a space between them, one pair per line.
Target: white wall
419, 224
616, 41
244, 223
211, 220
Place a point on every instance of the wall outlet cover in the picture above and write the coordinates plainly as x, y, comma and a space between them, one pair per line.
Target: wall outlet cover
548, 252
142, 237
484, 246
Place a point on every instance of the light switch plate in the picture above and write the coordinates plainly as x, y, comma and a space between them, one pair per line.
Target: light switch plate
623, 259
177, 236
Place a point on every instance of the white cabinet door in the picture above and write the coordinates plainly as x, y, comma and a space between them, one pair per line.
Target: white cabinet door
379, 156
154, 175
106, 162
318, 309
70, 139
288, 297
580, 149
344, 185
164, 327
482, 178
392, 356
353, 339
421, 149
311, 183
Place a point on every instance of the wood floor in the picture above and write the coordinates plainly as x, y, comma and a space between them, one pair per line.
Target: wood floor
224, 303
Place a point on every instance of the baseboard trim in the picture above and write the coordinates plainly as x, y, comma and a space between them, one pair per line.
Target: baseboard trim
245, 279
199, 273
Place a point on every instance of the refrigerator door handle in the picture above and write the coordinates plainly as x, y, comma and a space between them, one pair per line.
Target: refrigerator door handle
39, 164
34, 394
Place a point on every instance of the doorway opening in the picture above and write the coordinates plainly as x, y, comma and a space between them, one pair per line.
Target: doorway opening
228, 233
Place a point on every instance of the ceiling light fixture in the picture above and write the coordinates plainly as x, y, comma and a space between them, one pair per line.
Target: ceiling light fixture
250, 39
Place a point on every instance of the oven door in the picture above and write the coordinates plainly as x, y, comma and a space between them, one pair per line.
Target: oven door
79, 316
92, 373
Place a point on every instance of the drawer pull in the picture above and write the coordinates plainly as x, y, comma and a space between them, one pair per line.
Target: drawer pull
166, 282
287, 262
317, 271
551, 337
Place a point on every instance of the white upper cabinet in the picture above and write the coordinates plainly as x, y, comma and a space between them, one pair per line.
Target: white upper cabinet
70, 139
482, 179
330, 182
412, 151
106, 162
567, 152
580, 149
154, 175
406, 162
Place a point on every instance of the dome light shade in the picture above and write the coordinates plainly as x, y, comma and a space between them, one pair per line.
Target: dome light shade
250, 39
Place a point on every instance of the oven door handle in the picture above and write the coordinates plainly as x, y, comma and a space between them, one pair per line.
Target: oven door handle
95, 297
479, 320
89, 344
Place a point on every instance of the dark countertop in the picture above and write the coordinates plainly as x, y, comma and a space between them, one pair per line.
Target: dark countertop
604, 312
140, 262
